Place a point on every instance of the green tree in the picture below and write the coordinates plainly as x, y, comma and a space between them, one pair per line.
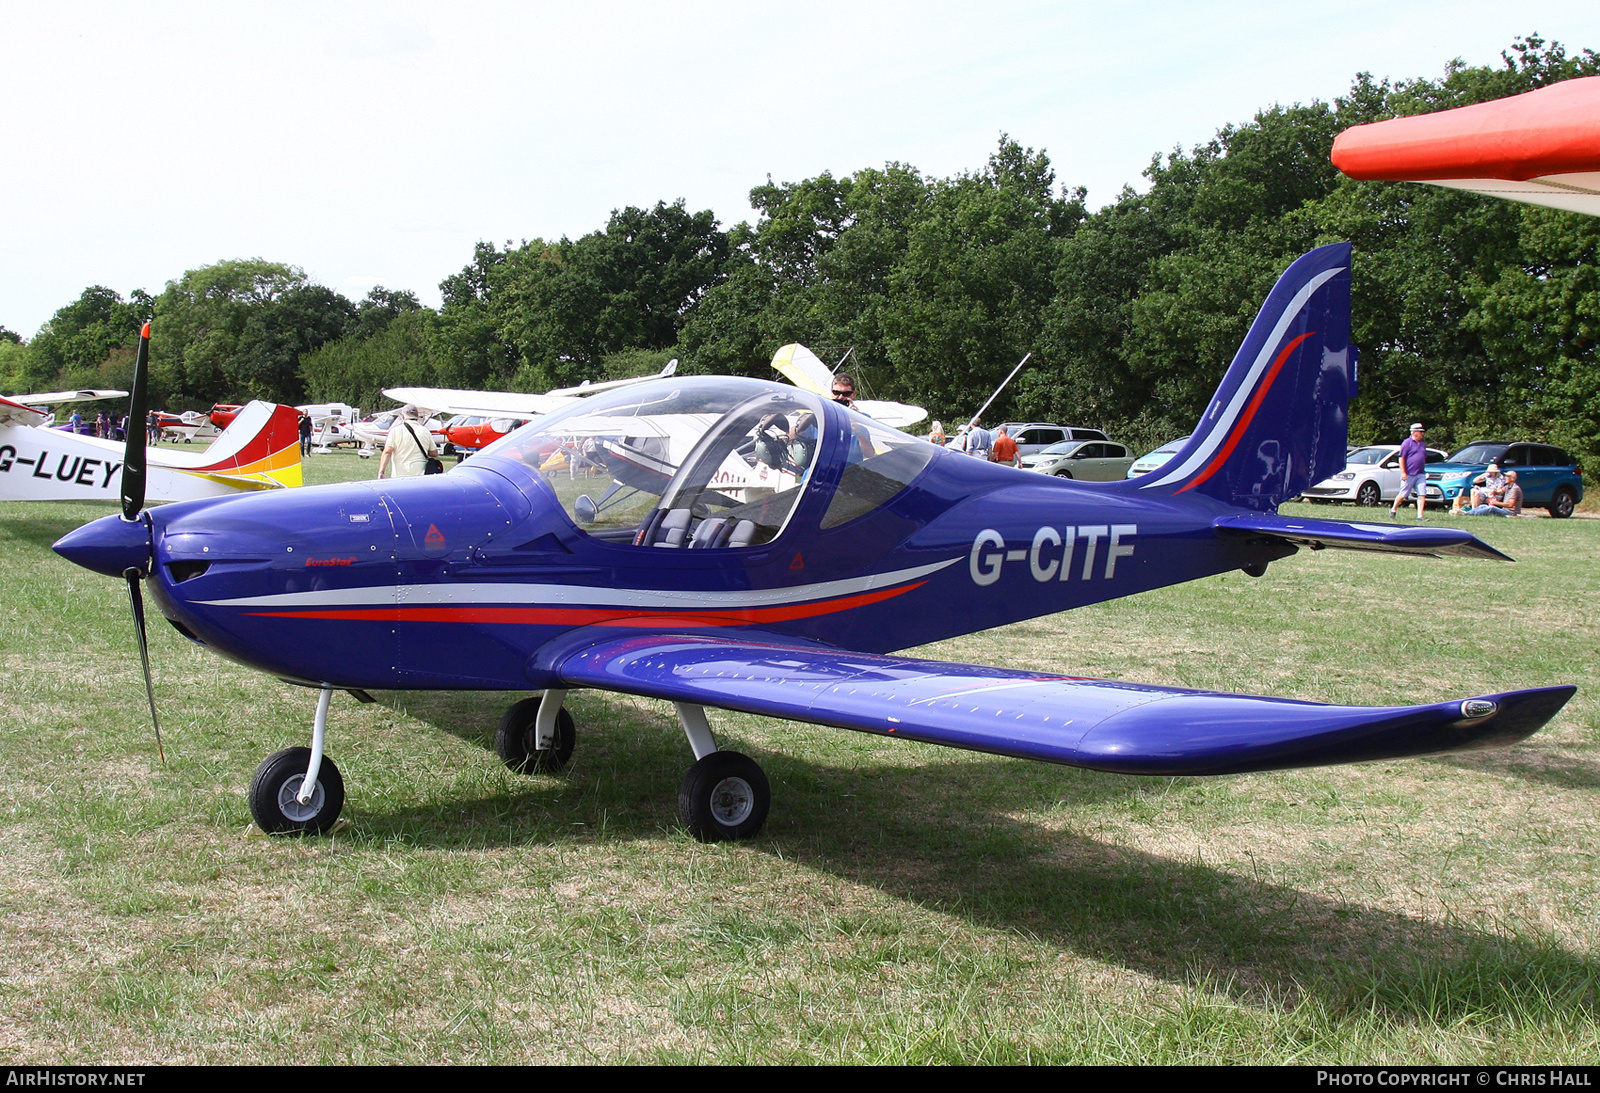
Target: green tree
236, 330
356, 369
99, 328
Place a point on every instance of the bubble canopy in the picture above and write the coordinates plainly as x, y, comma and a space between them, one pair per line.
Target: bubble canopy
706, 462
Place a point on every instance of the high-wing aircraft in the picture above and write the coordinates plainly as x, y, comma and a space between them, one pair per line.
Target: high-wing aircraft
511, 405
61, 398
1540, 147
789, 602
259, 451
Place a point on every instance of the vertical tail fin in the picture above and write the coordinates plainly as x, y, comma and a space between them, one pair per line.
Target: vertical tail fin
1280, 420
261, 444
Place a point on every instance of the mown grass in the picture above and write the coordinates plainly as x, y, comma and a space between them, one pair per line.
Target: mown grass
905, 904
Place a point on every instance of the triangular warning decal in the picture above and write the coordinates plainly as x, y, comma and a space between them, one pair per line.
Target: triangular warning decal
435, 537
798, 563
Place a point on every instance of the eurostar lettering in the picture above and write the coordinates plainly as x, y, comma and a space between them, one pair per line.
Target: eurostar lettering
1051, 555
80, 471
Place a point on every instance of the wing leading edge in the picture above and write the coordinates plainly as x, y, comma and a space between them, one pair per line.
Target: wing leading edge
1124, 728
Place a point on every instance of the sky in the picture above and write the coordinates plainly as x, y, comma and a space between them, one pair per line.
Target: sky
376, 143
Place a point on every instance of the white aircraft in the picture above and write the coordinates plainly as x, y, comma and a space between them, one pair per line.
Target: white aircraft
511, 404
332, 424
61, 398
189, 426
260, 450
371, 435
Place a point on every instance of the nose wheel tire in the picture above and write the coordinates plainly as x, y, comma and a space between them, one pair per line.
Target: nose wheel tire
275, 794
724, 796
517, 739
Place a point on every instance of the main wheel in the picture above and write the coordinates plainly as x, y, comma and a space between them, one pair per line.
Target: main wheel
1369, 495
275, 792
1562, 504
518, 744
724, 796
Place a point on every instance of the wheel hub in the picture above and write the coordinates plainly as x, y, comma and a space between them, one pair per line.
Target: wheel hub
289, 800
732, 801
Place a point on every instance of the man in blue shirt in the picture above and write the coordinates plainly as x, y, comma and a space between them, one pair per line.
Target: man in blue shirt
1413, 463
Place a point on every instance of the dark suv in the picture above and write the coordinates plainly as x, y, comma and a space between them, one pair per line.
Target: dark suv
1549, 477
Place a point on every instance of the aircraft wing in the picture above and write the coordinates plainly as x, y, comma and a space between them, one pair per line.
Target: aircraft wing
1437, 542
1540, 147
1124, 728
801, 367
480, 403
14, 412
896, 415
56, 398
586, 388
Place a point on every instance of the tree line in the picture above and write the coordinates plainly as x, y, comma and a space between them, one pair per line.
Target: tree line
1479, 317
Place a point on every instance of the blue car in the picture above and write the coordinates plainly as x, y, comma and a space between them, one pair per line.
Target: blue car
1549, 477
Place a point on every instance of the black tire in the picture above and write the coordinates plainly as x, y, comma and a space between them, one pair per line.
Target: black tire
273, 791
1562, 504
1370, 495
724, 796
1062, 474
515, 739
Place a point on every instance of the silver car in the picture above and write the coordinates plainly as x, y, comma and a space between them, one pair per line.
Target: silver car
1085, 460
1147, 463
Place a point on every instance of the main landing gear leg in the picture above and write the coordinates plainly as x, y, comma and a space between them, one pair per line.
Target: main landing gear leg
299, 791
537, 735
724, 795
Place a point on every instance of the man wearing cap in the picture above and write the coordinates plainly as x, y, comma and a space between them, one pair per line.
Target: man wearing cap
408, 446
1413, 463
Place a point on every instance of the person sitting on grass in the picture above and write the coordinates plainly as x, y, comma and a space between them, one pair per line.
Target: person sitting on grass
1509, 503
1488, 486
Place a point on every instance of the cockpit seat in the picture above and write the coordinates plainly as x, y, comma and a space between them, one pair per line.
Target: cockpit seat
712, 532
674, 528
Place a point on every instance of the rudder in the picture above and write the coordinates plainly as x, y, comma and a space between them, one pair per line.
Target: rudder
1280, 419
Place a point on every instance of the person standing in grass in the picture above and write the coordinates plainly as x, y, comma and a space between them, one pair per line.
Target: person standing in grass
407, 447
1413, 463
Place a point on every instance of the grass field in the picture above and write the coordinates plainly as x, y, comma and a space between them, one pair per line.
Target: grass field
905, 903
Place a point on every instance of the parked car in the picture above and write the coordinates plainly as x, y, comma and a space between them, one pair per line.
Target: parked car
1085, 460
1371, 476
1151, 460
1033, 437
1549, 477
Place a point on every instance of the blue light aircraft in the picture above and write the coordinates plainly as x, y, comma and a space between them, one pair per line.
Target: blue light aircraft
785, 594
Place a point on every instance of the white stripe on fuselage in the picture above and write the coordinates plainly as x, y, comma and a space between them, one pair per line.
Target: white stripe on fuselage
1219, 432
546, 595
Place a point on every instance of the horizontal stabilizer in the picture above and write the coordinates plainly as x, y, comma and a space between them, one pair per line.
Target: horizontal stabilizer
1435, 542
1125, 728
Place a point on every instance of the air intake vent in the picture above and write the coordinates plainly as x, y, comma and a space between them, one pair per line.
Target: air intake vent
186, 571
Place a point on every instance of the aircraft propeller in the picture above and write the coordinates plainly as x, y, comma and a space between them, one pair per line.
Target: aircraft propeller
133, 489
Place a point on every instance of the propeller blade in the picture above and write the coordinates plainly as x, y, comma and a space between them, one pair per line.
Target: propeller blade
133, 456
136, 599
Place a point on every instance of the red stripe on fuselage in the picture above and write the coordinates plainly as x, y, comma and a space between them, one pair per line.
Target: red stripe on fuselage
1244, 419
597, 616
